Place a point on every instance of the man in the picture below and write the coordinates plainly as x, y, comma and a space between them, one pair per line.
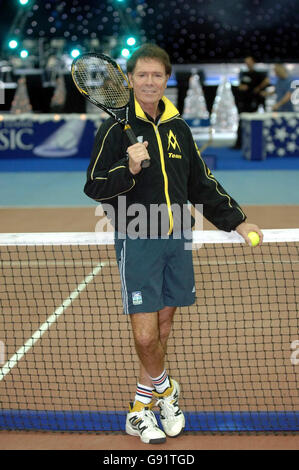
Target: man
156, 271
283, 90
249, 96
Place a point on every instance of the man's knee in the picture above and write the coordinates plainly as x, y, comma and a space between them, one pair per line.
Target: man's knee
145, 330
146, 340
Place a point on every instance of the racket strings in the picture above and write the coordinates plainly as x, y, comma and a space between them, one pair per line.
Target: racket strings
104, 82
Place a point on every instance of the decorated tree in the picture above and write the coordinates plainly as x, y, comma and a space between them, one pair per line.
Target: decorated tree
21, 103
195, 104
224, 116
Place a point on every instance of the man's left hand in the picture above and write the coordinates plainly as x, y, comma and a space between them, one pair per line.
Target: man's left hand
244, 228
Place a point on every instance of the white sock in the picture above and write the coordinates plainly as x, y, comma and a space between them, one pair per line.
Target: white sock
162, 382
144, 394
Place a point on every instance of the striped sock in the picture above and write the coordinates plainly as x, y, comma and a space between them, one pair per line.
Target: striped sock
144, 394
162, 382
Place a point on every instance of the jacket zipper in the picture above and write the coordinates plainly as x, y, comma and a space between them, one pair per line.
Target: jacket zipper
165, 177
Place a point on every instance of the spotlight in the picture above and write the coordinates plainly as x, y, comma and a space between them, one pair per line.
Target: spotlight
125, 52
75, 53
13, 44
24, 53
131, 41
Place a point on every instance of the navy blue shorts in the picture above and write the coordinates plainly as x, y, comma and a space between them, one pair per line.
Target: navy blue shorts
155, 273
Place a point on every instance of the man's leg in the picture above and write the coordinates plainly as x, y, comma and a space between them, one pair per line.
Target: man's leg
165, 319
166, 315
171, 417
148, 346
151, 331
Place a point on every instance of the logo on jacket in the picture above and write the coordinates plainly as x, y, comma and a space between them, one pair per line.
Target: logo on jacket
173, 143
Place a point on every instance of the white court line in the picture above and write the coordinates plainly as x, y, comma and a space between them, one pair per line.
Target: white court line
12, 362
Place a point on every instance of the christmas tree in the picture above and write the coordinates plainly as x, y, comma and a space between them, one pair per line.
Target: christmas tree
21, 103
58, 98
224, 116
195, 104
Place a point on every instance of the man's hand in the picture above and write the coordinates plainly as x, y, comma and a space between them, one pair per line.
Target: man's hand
137, 153
244, 228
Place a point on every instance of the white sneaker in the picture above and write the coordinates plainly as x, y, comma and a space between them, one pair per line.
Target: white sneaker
142, 422
172, 418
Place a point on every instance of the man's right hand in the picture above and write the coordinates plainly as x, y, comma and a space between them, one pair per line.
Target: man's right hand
137, 153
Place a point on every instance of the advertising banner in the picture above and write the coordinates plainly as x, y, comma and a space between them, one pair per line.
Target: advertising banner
47, 136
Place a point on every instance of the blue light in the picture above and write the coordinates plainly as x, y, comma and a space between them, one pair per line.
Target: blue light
125, 52
75, 53
13, 44
24, 53
131, 41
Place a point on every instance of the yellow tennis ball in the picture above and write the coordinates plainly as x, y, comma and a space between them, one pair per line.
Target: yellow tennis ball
254, 238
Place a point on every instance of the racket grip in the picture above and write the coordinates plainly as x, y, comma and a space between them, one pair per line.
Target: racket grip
133, 140
145, 163
132, 137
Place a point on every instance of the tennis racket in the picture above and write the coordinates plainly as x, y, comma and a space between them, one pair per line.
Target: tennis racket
101, 80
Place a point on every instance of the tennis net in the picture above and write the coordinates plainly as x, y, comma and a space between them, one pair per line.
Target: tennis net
67, 357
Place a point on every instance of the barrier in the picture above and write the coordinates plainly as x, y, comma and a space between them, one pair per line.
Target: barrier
270, 135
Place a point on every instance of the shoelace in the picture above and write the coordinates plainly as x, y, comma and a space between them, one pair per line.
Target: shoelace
149, 414
168, 405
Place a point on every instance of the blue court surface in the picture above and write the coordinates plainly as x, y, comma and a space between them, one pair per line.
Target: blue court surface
65, 189
59, 182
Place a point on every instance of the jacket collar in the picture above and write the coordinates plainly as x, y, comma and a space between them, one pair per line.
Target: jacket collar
169, 110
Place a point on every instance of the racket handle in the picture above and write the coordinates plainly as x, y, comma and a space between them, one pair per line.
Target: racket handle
145, 163
132, 137
133, 140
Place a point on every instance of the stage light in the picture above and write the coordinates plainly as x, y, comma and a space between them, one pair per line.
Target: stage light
23, 2
75, 53
131, 41
125, 52
12, 44
24, 53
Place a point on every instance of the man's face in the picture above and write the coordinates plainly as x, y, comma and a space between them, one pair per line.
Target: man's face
249, 62
149, 81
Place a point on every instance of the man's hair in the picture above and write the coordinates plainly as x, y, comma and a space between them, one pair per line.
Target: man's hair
250, 56
149, 51
281, 68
